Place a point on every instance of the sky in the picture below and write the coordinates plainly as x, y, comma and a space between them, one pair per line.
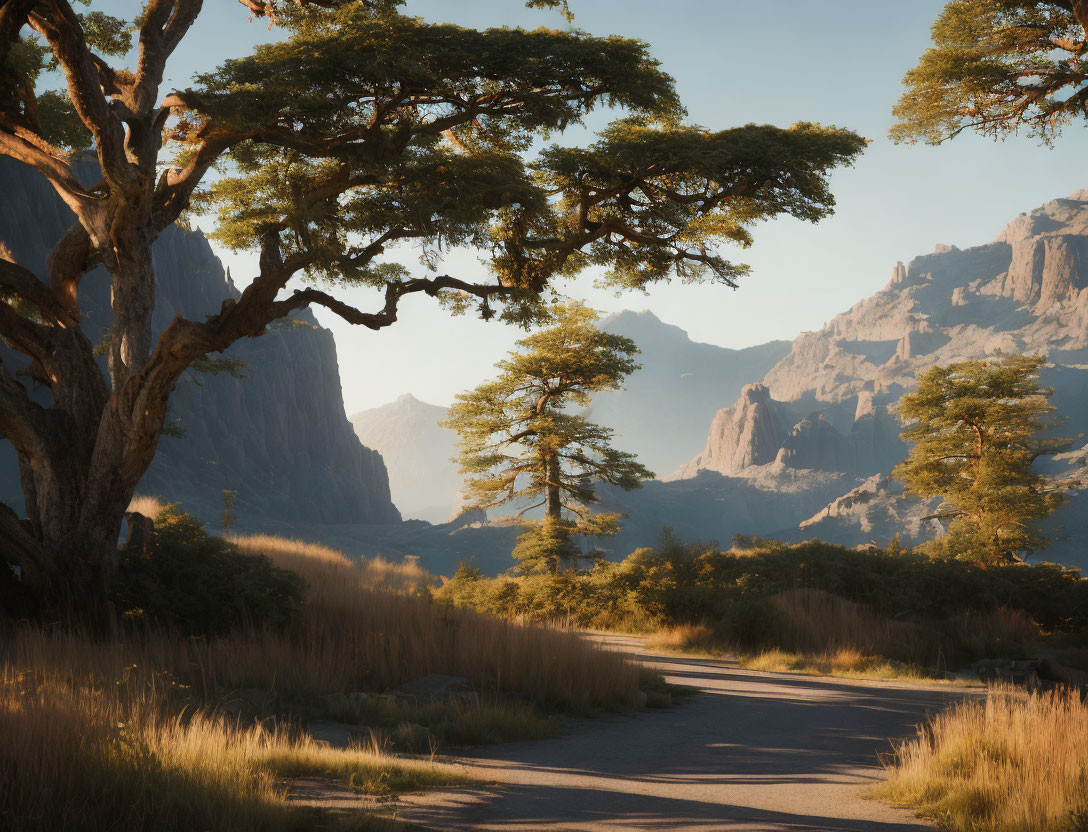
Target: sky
835, 62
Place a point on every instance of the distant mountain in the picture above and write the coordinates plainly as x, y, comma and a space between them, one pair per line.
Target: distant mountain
661, 415
663, 411
417, 452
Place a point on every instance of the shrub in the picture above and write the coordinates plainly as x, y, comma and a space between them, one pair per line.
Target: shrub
813, 599
199, 584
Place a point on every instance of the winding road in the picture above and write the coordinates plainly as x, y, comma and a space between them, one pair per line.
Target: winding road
751, 751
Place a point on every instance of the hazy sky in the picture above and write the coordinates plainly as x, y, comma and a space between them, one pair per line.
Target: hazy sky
774, 61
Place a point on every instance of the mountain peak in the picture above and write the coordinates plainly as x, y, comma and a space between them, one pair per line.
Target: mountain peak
630, 316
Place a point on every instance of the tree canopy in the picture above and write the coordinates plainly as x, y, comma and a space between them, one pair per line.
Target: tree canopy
975, 428
523, 440
362, 128
996, 67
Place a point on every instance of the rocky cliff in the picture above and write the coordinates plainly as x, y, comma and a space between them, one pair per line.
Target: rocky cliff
278, 436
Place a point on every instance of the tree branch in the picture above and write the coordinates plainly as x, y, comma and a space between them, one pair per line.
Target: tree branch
393, 293
60, 25
25, 284
164, 25
18, 144
1080, 12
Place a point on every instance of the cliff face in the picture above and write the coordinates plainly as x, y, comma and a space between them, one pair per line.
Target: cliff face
278, 436
422, 476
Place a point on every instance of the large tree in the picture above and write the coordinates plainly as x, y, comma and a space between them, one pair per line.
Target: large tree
996, 67
361, 129
524, 439
975, 428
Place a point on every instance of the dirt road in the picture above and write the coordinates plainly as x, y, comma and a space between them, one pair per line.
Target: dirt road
751, 751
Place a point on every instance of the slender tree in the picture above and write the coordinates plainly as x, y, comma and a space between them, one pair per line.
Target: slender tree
996, 67
521, 440
362, 128
975, 428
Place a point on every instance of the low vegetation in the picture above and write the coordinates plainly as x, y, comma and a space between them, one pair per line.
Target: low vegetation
813, 607
203, 727
1014, 762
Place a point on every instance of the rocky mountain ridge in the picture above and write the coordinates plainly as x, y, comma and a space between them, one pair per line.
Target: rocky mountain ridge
802, 438
826, 405
664, 407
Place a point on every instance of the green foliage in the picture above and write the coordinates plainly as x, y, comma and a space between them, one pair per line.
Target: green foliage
974, 428
449, 115
684, 210
199, 585
106, 34
996, 66
174, 431
214, 366
60, 124
680, 584
519, 439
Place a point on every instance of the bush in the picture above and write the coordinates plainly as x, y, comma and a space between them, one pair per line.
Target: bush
199, 584
811, 598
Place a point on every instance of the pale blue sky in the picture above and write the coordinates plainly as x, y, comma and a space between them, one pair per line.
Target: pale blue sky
775, 61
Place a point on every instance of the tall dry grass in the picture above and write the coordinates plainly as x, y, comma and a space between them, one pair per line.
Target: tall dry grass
812, 631
324, 567
1017, 762
146, 505
124, 754
363, 627
349, 637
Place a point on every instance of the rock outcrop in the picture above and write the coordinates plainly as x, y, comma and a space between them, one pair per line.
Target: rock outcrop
750, 433
664, 409
278, 436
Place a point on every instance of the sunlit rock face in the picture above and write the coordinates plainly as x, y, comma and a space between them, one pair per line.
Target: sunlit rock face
278, 436
750, 433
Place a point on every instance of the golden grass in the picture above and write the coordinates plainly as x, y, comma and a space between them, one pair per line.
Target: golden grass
323, 566
846, 662
818, 633
124, 756
699, 639
1017, 762
146, 505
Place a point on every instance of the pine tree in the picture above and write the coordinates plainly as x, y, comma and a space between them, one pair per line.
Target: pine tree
998, 67
975, 426
521, 438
